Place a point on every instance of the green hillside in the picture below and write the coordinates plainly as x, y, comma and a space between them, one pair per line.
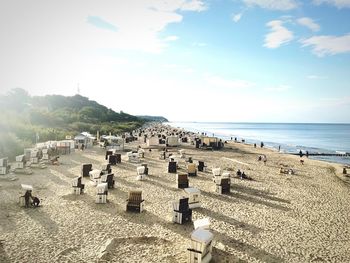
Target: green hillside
153, 118
25, 119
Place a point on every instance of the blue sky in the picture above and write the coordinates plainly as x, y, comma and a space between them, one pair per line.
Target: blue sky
189, 60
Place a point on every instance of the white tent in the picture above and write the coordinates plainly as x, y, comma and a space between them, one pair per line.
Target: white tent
172, 140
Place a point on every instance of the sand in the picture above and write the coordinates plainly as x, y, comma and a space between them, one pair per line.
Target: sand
273, 218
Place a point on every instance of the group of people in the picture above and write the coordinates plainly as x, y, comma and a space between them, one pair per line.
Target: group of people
262, 158
242, 175
28, 196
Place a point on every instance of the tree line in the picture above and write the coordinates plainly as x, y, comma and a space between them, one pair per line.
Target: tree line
26, 119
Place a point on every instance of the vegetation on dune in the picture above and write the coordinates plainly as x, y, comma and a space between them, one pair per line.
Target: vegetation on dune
26, 119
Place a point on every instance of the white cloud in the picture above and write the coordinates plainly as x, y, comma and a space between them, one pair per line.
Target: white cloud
237, 17
138, 23
220, 82
328, 45
279, 34
171, 38
283, 5
194, 5
280, 88
337, 3
169, 6
309, 23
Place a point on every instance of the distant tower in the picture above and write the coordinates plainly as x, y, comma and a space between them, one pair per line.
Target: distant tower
78, 89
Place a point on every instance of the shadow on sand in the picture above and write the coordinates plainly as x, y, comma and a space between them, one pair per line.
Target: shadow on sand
3, 256
252, 251
43, 219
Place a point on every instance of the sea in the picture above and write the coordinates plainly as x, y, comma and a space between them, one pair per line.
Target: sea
290, 137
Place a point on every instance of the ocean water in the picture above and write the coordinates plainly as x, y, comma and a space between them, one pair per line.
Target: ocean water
292, 137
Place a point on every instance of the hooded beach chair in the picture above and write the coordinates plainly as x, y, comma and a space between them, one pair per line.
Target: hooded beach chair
191, 169
223, 185
108, 153
4, 166
182, 181
141, 175
101, 193
201, 166
95, 176
133, 157
85, 169
146, 168
20, 162
172, 167
78, 187
181, 211
112, 159
141, 153
134, 201
110, 181
194, 197
201, 246
106, 168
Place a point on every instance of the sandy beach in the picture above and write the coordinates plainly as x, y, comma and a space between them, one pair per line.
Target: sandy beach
273, 218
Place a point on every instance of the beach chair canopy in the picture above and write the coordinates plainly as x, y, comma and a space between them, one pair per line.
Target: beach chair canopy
27, 187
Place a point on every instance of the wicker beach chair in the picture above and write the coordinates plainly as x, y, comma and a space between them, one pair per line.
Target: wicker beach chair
223, 185
201, 166
135, 201
85, 169
172, 167
191, 169
182, 181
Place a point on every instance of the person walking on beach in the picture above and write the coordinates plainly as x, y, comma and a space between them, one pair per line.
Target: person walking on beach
279, 148
264, 159
307, 154
300, 154
27, 196
261, 144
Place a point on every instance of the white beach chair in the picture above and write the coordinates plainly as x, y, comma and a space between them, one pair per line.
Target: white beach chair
194, 197
95, 176
201, 246
141, 173
102, 191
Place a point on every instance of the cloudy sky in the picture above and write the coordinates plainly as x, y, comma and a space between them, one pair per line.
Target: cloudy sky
188, 60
